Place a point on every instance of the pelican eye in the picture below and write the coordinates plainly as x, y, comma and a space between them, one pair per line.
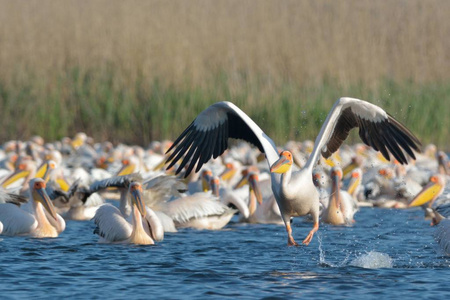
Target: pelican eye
254, 177
434, 179
39, 185
21, 167
125, 162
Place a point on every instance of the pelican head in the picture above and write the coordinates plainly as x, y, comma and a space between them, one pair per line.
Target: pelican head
45, 170
336, 174
355, 181
386, 173
244, 180
24, 168
253, 180
136, 199
215, 184
230, 170
39, 195
79, 140
283, 164
430, 192
318, 178
128, 165
206, 179
356, 162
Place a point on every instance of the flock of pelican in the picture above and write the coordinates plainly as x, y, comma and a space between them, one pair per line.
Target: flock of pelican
135, 195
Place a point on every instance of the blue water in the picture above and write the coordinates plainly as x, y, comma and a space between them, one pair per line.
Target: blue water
246, 261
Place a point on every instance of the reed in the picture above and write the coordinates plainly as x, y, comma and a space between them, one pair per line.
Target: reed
95, 102
141, 70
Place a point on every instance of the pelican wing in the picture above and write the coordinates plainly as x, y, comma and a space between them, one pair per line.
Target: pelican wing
377, 129
208, 134
162, 188
16, 221
6, 197
155, 226
116, 181
111, 225
196, 206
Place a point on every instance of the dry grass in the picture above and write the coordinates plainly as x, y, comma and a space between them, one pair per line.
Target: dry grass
62, 55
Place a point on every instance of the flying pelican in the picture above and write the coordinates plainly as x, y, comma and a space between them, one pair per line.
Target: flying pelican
207, 136
42, 222
145, 228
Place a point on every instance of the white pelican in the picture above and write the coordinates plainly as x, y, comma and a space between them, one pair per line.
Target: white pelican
341, 206
144, 229
207, 136
267, 212
156, 191
430, 192
43, 222
200, 211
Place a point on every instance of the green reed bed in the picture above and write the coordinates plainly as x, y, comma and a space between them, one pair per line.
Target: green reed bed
101, 104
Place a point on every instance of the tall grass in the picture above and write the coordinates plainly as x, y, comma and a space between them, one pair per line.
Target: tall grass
94, 102
136, 71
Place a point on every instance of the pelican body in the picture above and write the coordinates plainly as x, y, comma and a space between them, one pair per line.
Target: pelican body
113, 227
43, 222
295, 193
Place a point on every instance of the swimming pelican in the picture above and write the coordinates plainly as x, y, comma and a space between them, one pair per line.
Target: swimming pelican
207, 136
144, 229
341, 206
42, 222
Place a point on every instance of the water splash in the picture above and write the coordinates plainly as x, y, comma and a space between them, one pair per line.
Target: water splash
373, 260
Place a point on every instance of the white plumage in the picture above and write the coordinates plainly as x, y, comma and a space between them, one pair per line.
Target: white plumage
208, 134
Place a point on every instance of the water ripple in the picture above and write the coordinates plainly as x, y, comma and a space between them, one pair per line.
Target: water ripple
386, 253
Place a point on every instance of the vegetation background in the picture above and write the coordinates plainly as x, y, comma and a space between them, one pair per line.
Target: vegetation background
135, 71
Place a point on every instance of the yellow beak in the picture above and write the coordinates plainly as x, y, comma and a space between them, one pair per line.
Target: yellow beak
241, 182
126, 170
354, 183
137, 200
43, 198
63, 184
282, 165
160, 165
254, 188
349, 168
18, 174
428, 193
227, 174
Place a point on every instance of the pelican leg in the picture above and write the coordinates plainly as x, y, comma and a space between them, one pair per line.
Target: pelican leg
291, 241
311, 234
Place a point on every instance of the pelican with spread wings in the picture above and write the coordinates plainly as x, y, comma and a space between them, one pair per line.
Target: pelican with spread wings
207, 137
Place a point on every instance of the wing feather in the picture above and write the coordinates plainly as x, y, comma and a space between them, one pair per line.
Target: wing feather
16, 221
111, 225
377, 129
195, 206
207, 136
